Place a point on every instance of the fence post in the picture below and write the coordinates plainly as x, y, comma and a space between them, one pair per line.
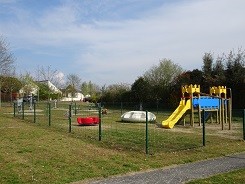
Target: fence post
203, 129
49, 114
146, 134
34, 109
243, 124
69, 117
100, 121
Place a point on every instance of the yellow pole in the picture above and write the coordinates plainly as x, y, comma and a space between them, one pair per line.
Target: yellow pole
192, 114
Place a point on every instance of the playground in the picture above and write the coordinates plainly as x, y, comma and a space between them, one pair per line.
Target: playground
123, 128
53, 147
193, 100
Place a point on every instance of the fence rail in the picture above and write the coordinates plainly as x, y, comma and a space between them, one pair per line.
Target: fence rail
112, 133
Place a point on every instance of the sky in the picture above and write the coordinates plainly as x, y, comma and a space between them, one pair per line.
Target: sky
117, 41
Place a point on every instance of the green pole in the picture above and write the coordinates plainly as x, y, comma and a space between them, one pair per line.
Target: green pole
14, 108
70, 106
243, 124
49, 114
100, 128
203, 128
146, 134
23, 110
34, 109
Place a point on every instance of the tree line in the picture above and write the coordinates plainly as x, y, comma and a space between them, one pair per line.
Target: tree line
161, 83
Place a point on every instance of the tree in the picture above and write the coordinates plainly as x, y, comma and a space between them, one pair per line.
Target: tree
207, 64
115, 92
6, 62
6, 59
235, 76
141, 90
235, 71
49, 74
74, 82
44, 91
219, 71
28, 83
10, 85
161, 78
89, 88
163, 74
207, 72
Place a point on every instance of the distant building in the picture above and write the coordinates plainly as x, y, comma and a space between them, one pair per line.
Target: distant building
29, 89
51, 86
77, 97
32, 88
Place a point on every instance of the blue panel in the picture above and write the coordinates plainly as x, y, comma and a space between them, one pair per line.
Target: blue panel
206, 102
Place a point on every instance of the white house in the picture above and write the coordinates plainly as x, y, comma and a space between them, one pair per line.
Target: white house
77, 97
51, 86
29, 89
32, 89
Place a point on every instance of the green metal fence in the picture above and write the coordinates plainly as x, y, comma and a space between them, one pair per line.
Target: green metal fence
113, 133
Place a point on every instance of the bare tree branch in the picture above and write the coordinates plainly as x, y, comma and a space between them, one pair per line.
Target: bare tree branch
6, 59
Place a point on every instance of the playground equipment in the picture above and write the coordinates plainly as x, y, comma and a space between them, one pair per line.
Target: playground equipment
194, 101
137, 116
88, 121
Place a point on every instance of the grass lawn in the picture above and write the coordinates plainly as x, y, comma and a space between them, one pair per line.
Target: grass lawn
235, 177
39, 153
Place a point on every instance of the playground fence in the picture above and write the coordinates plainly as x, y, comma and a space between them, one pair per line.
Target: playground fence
112, 133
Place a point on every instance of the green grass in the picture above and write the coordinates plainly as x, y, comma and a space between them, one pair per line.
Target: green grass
39, 153
235, 177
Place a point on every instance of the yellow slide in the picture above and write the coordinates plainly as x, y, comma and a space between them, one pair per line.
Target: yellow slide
177, 114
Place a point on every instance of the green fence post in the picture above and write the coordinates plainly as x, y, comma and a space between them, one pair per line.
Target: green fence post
34, 110
14, 108
243, 124
146, 134
49, 114
23, 110
69, 117
100, 121
203, 129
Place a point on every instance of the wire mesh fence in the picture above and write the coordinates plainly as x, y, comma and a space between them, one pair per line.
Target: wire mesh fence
111, 132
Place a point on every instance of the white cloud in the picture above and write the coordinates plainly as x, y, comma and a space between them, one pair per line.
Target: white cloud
108, 50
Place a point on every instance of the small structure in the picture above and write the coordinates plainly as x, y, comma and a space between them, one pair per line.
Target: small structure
137, 116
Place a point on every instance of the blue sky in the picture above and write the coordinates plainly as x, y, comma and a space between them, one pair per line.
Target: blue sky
116, 41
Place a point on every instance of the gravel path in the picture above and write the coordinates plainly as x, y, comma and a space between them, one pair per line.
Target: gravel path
180, 173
